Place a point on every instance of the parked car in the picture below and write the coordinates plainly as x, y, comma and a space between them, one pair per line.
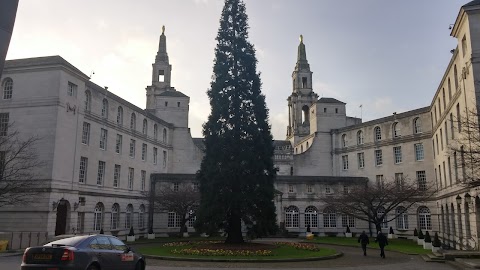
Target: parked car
88, 252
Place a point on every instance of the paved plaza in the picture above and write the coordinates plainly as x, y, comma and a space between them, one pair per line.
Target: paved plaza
352, 259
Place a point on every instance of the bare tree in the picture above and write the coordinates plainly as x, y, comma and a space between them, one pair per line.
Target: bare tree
465, 147
183, 199
19, 163
378, 203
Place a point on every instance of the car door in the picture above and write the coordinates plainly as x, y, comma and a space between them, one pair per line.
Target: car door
101, 249
123, 259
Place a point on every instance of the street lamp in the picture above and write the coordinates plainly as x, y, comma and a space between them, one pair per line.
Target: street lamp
468, 198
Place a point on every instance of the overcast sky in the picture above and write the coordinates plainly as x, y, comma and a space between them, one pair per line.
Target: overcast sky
387, 55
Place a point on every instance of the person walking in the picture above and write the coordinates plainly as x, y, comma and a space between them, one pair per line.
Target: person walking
382, 242
364, 241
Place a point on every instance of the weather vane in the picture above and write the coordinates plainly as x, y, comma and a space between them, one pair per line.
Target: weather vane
301, 38
163, 30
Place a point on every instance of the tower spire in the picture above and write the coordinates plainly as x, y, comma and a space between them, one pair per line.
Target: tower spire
302, 62
162, 48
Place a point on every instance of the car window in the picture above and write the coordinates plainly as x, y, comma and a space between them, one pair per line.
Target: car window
100, 243
70, 241
117, 244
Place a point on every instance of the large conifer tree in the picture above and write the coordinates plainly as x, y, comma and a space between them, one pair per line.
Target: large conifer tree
237, 172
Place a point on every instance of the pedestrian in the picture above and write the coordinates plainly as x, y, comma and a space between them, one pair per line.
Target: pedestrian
382, 242
364, 241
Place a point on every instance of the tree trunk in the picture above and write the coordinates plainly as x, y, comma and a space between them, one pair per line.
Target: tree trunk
183, 226
234, 230
378, 227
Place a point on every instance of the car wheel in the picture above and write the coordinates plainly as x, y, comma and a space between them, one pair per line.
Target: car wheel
139, 266
93, 267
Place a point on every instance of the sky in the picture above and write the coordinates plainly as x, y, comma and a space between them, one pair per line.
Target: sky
388, 56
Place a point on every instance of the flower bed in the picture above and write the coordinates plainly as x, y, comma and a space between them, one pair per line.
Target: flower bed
301, 246
221, 252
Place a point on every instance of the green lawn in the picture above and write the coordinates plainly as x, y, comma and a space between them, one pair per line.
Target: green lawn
281, 252
400, 245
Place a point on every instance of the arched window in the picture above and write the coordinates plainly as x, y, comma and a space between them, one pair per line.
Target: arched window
7, 88
105, 108
155, 132
98, 217
329, 218
402, 218
145, 127
115, 216
305, 115
133, 121
455, 76
360, 137
377, 134
120, 115
380, 213
425, 219
311, 217
88, 100
164, 135
417, 126
301, 148
291, 217
344, 140
141, 217
129, 216
396, 130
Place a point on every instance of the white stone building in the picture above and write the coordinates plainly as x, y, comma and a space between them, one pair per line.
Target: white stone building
103, 153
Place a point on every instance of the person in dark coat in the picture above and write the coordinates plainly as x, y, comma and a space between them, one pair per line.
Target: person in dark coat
364, 241
382, 242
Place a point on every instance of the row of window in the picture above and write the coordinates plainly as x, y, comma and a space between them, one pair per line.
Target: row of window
292, 218
378, 155
174, 220
99, 215
377, 132
449, 218
438, 145
119, 144
117, 174
133, 117
310, 189
442, 181
399, 178
438, 104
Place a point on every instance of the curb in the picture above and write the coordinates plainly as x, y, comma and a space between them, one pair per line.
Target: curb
165, 258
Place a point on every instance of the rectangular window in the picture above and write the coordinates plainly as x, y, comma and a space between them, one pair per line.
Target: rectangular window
144, 151
103, 139
132, 148
379, 180
131, 174
450, 171
173, 220
345, 190
196, 186
452, 126
441, 139
446, 133
72, 89
144, 179
4, 119
459, 120
348, 220
436, 141
309, 188
82, 178
116, 175
361, 160
155, 155
455, 166
101, 173
118, 144
378, 158
291, 189
399, 180
175, 187
464, 46
86, 133
422, 180
345, 162
440, 175
397, 152
328, 190
419, 155
161, 75
444, 173
80, 222
164, 159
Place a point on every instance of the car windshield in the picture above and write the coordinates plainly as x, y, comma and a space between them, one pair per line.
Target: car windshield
71, 241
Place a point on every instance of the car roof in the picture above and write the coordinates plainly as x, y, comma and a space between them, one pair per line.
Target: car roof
70, 241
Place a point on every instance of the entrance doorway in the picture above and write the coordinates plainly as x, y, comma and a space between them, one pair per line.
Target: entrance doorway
62, 214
